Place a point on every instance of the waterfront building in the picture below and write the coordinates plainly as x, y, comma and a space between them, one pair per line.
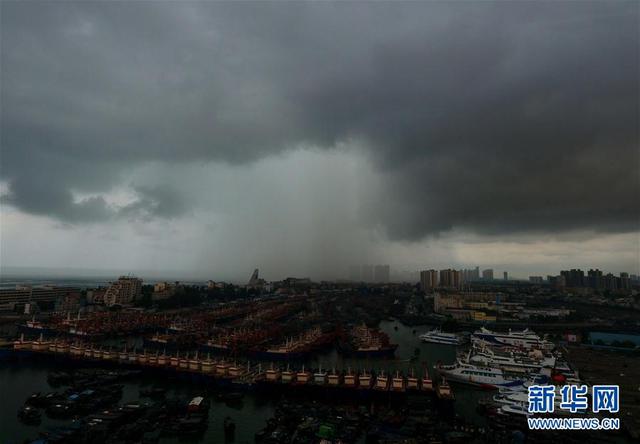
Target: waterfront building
16, 298
96, 296
469, 306
163, 290
69, 302
123, 291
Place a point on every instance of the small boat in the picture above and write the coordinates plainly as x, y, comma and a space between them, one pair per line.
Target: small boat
288, 376
197, 405
303, 377
443, 391
29, 415
273, 374
412, 381
350, 379
382, 382
335, 378
366, 381
320, 378
426, 383
398, 383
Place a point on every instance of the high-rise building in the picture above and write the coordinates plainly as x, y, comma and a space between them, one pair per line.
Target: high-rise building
536, 279
123, 291
450, 278
573, 278
610, 282
558, 282
594, 278
367, 273
428, 279
487, 274
381, 273
625, 281
470, 275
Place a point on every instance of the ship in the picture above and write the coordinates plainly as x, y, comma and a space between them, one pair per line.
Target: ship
525, 339
512, 361
438, 337
35, 327
299, 347
485, 377
167, 341
367, 342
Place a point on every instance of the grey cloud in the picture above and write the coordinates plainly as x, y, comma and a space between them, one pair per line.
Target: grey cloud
160, 201
488, 117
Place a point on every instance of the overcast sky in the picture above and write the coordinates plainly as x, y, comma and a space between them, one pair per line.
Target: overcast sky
207, 139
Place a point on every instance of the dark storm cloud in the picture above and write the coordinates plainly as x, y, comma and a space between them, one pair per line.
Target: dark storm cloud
492, 117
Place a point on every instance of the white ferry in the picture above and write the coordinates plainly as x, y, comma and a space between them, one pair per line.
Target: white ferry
485, 377
438, 337
511, 362
526, 339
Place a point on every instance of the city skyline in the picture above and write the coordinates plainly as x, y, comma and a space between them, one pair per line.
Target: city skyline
208, 139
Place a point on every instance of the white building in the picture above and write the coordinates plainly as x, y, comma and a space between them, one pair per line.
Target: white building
123, 291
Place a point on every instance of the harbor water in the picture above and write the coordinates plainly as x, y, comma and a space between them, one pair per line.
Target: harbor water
19, 379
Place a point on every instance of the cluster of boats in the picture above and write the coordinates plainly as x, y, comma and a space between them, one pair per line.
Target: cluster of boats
509, 362
366, 342
363, 380
229, 372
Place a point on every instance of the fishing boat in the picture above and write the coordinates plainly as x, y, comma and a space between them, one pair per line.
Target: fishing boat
382, 382
367, 342
288, 376
273, 374
443, 391
207, 366
366, 381
398, 383
222, 369
21, 344
350, 379
320, 377
412, 381
335, 379
303, 377
41, 344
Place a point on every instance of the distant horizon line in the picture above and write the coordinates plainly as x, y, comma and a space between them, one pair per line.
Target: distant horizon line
41, 272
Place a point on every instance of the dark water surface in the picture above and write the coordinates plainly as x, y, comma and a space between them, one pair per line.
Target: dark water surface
18, 380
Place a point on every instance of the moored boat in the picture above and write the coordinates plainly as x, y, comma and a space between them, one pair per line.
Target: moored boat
439, 337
